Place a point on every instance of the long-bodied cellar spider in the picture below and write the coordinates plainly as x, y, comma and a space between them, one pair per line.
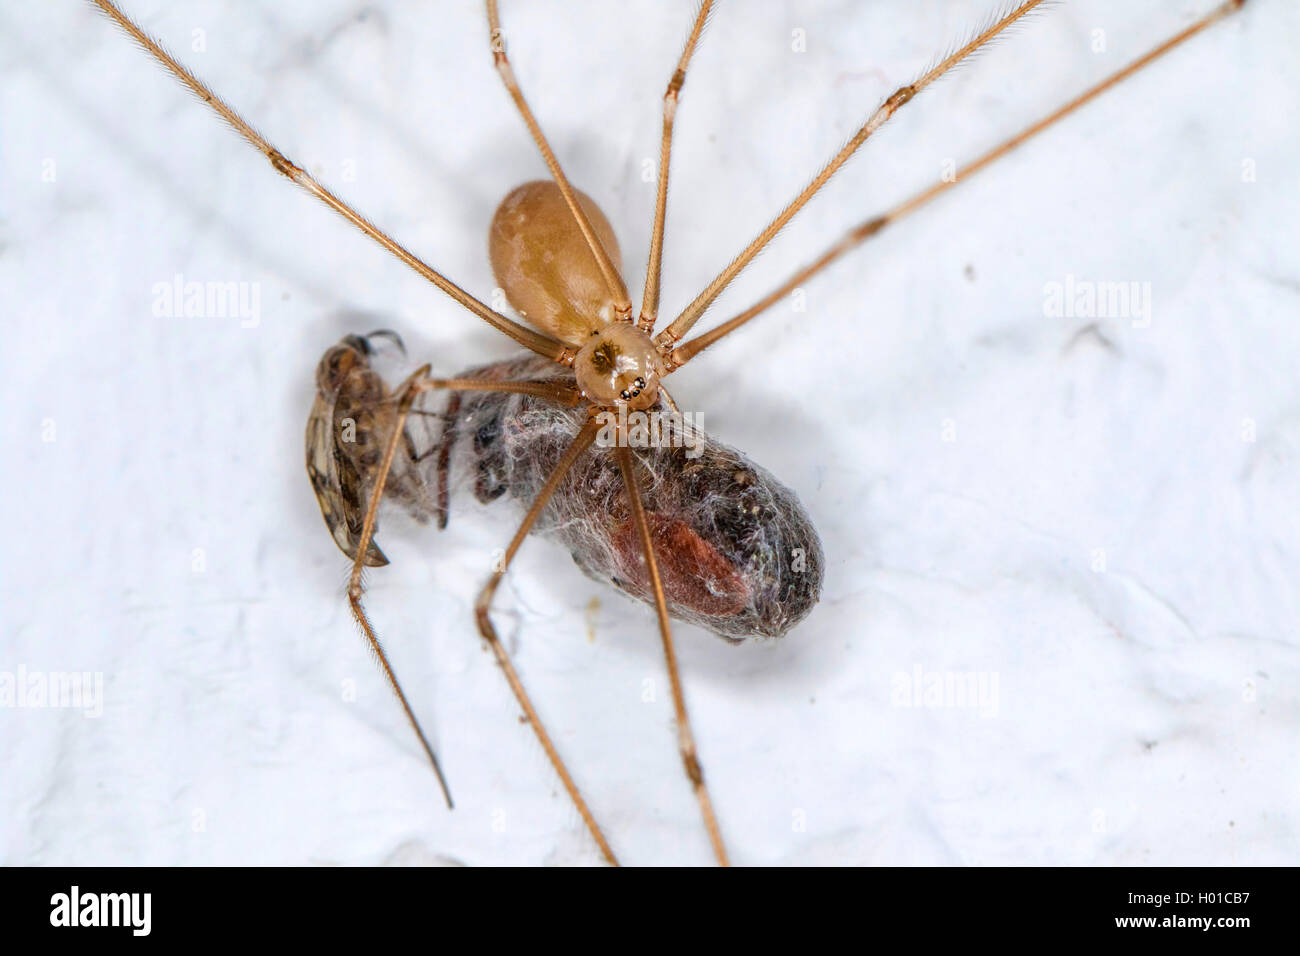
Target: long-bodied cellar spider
695, 90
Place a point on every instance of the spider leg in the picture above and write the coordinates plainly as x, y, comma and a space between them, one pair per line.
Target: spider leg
875, 225
542, 344
650, 298
617, 291
678, 328
685, 738
406, 396
482, 611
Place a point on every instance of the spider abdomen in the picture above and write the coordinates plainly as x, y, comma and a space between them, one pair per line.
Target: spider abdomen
543, 263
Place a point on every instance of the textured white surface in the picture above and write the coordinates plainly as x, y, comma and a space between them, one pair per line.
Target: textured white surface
1145, 713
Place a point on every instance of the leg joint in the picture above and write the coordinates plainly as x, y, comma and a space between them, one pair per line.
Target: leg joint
900, 96
282, 165
869, 228
693, 769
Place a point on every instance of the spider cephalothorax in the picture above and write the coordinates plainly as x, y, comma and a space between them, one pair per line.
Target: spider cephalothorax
619, 364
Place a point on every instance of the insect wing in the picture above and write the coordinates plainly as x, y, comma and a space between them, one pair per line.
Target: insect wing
338, 490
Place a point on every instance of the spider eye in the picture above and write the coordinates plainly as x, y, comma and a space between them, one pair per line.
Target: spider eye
624, 394
639, 383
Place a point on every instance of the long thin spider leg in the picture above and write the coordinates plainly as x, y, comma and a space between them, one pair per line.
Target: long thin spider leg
691, 314
872, 227
482, 611
650, 298
557, 392
537, 342
406, 397
617, 291
685, 739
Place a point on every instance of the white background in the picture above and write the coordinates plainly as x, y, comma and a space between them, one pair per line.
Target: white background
1146, 712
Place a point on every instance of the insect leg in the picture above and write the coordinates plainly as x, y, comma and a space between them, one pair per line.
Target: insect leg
685, 739
452, 417
650, 298
482, 612
542, 344
498, 42
872, 227
691, 314
406, 396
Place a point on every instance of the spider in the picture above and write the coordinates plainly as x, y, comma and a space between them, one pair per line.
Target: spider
619, 358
